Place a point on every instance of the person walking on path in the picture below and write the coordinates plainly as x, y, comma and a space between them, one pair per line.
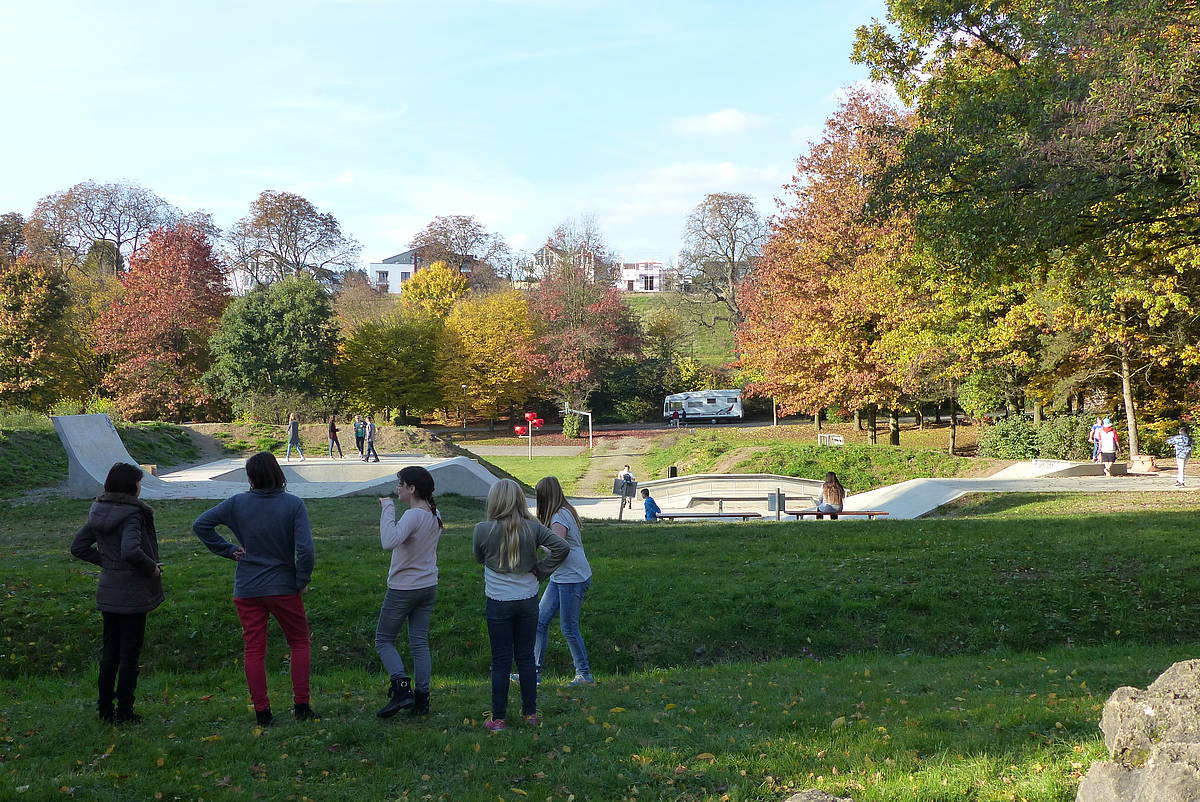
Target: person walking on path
625, 480
833, 497
1109, 443
371, 431
1183, 450
650, 505
506, 544
293, 438
1094, 439
411, 588
360, 434
564, 593
119, 537
275, 558
333, 438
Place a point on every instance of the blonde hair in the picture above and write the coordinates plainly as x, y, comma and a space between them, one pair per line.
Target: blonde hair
550, 499
506, 505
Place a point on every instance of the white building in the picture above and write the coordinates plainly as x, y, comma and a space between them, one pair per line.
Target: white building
642, 277
390, 274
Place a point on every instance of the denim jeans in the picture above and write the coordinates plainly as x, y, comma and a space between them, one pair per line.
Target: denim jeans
293, 444
370, 452
829, 508
333, 441
123, 636
565, 600
415, 607
511, 628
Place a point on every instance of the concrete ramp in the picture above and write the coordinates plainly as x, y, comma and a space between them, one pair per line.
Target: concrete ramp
93, 447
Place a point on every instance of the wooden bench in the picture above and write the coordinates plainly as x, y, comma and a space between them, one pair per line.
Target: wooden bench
745, 516
869, 514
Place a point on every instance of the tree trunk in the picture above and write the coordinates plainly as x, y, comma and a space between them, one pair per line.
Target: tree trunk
894, 426
1127, 396
937, 414
858, 420
817, 420
1038, 411
1069, 412
953, 429
872, 425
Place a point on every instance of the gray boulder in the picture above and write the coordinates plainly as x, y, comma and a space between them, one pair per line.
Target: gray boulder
813, 795
1153, 738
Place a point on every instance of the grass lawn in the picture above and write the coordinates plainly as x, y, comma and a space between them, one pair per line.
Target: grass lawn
890, 660
569, 470
709, 345
779, 450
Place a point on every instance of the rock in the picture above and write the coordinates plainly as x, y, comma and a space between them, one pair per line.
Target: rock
1153, 738
814, 795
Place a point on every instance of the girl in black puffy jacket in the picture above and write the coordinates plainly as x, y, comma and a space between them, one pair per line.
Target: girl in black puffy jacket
119, 537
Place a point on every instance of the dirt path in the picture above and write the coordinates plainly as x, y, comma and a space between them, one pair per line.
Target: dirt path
610, 457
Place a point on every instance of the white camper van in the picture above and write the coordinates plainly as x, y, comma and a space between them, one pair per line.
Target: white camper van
705, 405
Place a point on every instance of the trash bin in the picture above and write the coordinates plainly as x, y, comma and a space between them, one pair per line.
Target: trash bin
672, 472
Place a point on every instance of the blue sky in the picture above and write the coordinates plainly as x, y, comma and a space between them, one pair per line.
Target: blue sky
520, 112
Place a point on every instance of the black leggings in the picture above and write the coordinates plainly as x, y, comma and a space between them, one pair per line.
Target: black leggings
123, 636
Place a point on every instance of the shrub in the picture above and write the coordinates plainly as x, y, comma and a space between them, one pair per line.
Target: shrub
1065, 437
634, 410
1152, 437
1009, 438
571, 425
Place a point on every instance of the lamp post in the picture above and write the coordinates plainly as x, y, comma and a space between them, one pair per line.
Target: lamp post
464, 389
532, 421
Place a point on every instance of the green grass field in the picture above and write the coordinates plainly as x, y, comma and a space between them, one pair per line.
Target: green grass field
964, 658
709, 345
569, 470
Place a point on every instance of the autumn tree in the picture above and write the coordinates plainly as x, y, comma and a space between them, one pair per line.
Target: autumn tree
33, 298
357, 302
434, 290
391, 363
576, 244
123, 215
277, 338
285, 235
12, 238
723, 238
818, 302
158, 331
582, 325
488, 345
463, 243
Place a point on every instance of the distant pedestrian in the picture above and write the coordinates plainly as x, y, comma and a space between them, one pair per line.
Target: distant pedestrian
333, 438
275, 558
372, 431
675, 418
832, 498
360, 434
1183, 450
293, 438
507, 544
411, 588
650, 505
1109, 443
1094, 439
625, 482
119, 537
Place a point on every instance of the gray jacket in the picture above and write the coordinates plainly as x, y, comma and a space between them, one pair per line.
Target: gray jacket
119, 537
488, 540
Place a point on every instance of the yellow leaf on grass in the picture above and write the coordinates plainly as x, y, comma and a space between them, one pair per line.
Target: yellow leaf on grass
162, 761
671, 706
838, 723
617, 710
518, 792
211, 738
706, 756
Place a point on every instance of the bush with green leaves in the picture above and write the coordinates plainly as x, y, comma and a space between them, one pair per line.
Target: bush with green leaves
1065, 437
1009, 438
570, 425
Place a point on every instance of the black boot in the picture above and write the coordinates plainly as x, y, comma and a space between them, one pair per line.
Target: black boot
400, 696
304, 712
105, 711
420, 704
125, 715
264, 717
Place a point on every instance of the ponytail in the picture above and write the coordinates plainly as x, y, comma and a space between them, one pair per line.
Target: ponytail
421, 482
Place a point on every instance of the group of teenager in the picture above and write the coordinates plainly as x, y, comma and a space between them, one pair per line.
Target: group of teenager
275, 559
365, 432
1105, 442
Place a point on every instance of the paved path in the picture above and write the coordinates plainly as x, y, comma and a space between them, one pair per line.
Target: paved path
522, 451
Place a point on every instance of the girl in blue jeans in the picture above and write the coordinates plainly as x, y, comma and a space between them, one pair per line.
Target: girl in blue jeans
568, 584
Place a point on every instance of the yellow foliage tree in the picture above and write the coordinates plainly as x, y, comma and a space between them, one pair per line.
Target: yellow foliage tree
487, 344
434, 289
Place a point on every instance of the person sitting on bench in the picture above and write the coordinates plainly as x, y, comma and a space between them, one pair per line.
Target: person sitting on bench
833, 497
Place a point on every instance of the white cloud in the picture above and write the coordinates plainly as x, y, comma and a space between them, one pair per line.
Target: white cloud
336, 110
725, 121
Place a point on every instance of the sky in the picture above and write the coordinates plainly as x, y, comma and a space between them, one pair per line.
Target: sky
386, 113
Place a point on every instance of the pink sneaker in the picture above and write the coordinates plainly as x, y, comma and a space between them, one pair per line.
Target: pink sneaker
533, 720
495, 725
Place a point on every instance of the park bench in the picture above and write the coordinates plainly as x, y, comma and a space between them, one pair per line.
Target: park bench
869, 514
745, 516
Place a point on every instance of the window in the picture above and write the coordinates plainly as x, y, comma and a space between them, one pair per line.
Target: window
381, 276
710, 400
629, 285
404, 277
648, 283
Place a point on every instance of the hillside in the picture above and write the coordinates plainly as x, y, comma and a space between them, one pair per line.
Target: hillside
709, 345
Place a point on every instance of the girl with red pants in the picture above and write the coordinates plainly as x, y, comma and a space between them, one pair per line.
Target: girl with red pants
275, 561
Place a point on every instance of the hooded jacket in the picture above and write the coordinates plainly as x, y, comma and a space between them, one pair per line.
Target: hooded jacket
119, 537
